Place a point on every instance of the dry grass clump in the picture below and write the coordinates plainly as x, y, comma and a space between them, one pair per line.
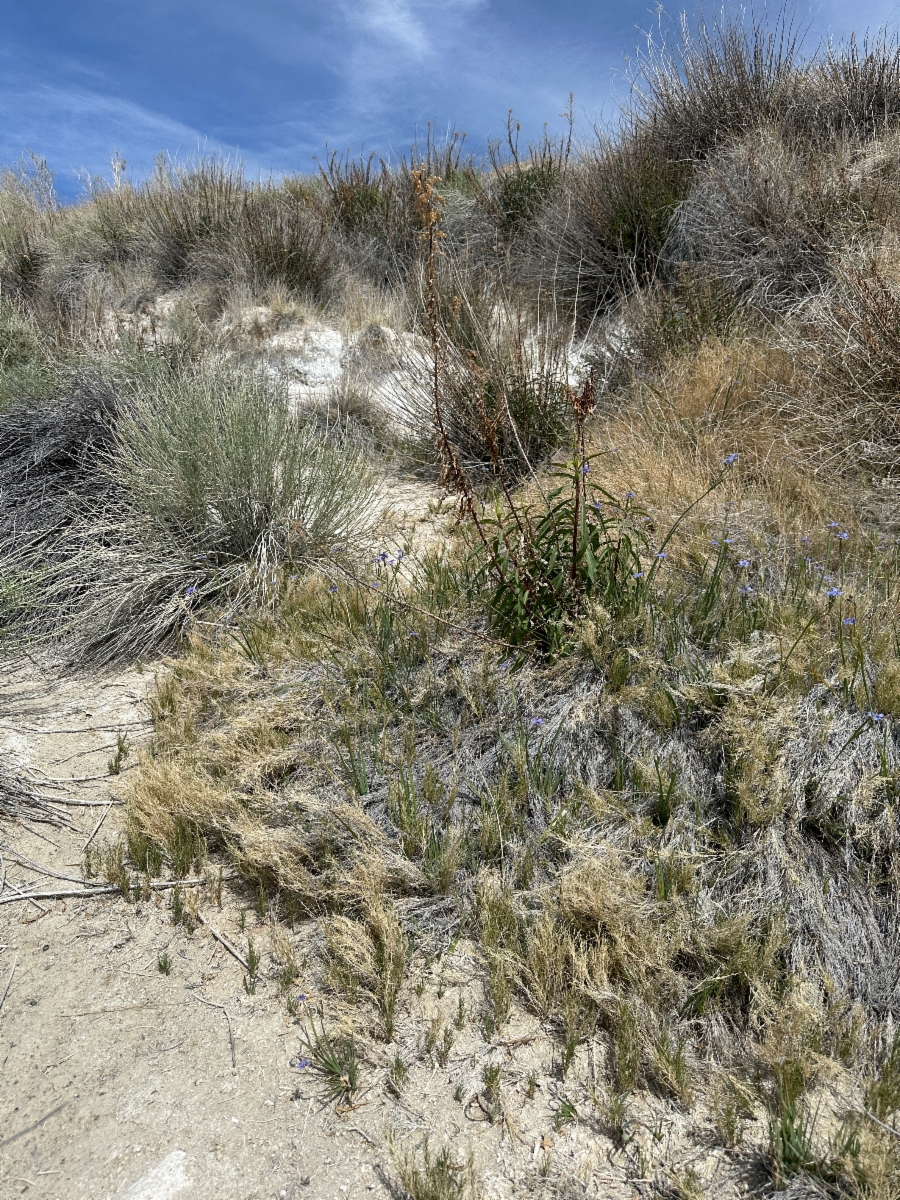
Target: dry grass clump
173, 483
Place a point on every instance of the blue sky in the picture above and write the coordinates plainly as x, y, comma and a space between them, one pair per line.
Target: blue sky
274, 82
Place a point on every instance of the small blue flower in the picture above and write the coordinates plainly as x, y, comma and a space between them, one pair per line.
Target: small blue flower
833, 593
730, 459
628, 496
805, 539
376, 583
874, 716
596, 504
849, 621
412, 633
727, 541
301, 998
637, 574
302, 1063
746, 590
333, 588
743, 562
714, 543
842, 536
585, 468
191, 591
537, 722
833, 525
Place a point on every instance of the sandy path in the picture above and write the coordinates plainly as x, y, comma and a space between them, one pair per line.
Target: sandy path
115, 1080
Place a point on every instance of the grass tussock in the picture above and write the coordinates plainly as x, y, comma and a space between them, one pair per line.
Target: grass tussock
159, 487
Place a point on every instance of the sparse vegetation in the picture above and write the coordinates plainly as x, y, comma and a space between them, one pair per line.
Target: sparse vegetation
622, 718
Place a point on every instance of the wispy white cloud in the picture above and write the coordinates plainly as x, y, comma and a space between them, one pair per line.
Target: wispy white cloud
390, 21
77, 127
407, 26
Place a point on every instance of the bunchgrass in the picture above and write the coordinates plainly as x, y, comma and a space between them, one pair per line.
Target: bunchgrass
208, 489
334, 1059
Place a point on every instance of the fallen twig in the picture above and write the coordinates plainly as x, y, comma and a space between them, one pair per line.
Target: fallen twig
8, 982
229, 946
23, 802
881, 1124
96, 828
223, 1009
69, 893
20, 895
24, 861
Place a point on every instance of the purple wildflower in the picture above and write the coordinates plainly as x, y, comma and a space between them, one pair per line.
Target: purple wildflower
191, 591
874, 716
743, 562
849, 621
833, 593
537, 722
730, 459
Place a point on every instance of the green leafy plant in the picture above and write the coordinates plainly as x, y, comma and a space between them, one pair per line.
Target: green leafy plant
114, 766
882, 1094
566, 1114
398, 1075
541, 561
790, 1127
334, 1059
429, 1176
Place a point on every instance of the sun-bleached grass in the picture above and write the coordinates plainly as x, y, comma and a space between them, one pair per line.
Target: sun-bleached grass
203, 484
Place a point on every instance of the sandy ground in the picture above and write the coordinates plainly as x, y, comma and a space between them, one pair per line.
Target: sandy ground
118, 1081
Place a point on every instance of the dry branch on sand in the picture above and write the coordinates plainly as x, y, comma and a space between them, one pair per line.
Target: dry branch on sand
20, 800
